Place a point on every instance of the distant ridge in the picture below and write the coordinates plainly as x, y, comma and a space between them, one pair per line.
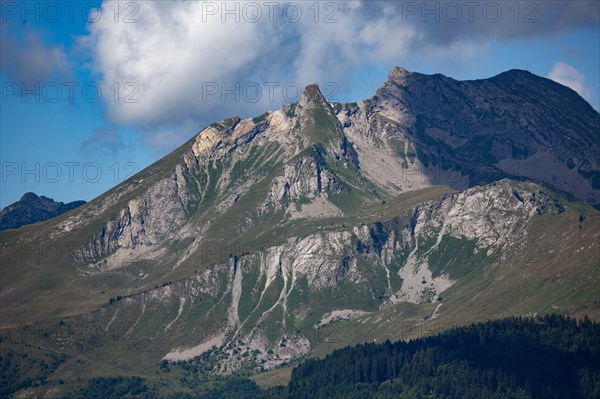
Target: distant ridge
32, 208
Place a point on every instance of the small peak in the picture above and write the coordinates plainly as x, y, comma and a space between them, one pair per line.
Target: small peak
29, 197
398, 74
311, 93
312, 88
516, 74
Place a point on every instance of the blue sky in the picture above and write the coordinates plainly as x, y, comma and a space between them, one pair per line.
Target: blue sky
178, 66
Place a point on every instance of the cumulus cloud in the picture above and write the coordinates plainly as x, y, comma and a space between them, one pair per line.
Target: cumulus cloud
196, 62
569, 76
444, 23
187, 63
167, 55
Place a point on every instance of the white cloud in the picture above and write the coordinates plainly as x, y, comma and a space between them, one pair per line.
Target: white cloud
168, 54
328, 51
177, 48
569, 76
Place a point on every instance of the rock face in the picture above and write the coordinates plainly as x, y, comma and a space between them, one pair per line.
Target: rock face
464, 133
417, 131
31, 209
236, 246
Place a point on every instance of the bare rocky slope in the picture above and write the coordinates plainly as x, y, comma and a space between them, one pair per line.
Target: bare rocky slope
259, 241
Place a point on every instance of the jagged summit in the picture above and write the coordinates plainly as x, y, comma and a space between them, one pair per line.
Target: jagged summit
312, 91
398, 74
312, 96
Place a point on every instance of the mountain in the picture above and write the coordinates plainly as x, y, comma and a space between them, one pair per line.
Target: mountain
515, 125
262, 241
31, 209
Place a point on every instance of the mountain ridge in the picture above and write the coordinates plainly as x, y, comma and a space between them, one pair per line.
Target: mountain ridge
259, 236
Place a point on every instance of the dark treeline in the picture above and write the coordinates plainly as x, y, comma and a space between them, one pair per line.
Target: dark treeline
114, 388
20, 370
546, 357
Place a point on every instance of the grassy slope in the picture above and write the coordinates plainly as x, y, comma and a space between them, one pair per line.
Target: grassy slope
558, 274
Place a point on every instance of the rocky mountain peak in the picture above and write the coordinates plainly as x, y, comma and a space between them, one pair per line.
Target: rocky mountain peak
398, 74
312, 95
29, 197
317, 120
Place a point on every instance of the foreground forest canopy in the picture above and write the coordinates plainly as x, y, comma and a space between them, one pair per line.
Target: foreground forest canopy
549, 357
544, 357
